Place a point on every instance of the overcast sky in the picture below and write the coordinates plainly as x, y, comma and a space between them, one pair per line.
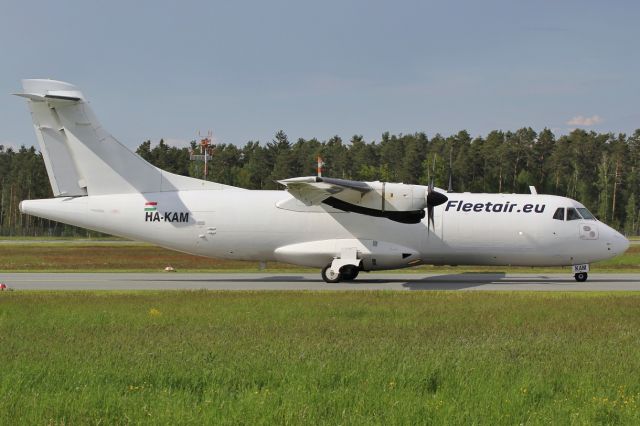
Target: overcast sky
155, 69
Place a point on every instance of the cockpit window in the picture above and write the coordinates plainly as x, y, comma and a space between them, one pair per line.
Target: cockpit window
586, 213
559, 214
572, 214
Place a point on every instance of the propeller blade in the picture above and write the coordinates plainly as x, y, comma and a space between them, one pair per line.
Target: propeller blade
430, 219
434, 198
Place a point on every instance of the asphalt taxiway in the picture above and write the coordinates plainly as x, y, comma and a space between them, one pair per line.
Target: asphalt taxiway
366, 281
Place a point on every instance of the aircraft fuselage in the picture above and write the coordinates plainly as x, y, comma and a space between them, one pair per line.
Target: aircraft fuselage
469, 229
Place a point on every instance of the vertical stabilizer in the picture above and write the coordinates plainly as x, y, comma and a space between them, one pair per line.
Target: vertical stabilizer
81, 157
64, 176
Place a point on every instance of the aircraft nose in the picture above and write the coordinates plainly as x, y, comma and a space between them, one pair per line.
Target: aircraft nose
618, 243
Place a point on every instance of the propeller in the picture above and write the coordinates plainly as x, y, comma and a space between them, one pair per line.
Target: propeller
434, 199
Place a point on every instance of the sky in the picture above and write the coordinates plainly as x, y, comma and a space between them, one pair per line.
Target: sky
246, 69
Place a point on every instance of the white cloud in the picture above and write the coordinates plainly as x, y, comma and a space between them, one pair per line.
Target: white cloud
579, 120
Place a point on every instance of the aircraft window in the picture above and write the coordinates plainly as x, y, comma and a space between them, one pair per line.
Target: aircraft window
572, 214
586, 213
559, 214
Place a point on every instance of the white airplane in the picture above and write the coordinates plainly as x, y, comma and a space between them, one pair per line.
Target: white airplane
341, 226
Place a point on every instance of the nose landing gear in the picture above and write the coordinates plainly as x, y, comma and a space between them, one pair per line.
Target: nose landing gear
580, 272
580, 277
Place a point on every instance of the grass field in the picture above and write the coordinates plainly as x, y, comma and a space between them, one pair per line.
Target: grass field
319, 358
110, 256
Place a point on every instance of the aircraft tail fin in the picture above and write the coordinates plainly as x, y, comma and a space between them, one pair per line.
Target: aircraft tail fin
81, 157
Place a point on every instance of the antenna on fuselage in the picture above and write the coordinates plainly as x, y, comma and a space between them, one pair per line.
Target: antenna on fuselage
450, 170
431, 172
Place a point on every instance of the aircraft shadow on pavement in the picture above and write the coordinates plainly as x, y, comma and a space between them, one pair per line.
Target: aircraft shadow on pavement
465, 280
454, 281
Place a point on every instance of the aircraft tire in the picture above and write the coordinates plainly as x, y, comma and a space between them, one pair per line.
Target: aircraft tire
580, 277
328, 277
349, 273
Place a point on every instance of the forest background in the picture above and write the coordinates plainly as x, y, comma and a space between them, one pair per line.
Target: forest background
600, 170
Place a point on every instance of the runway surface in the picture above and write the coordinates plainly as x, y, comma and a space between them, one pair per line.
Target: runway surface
371, 281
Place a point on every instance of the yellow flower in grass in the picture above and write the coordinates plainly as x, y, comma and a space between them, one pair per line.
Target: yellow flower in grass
153, 312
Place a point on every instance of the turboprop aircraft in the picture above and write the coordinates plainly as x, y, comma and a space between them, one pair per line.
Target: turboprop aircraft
340, 226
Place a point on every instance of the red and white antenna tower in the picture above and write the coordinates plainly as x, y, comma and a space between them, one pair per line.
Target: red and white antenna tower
206, 151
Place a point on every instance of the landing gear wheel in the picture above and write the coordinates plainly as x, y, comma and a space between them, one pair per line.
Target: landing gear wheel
580, 277
349, 273
328, 276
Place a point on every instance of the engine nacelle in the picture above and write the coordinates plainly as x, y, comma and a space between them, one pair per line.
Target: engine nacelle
369, 255
389, 197
395, 201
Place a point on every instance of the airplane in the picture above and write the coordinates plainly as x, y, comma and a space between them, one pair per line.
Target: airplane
341, 226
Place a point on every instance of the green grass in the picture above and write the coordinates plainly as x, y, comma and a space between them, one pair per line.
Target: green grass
127, 256
59, 239
122, 256
319, 358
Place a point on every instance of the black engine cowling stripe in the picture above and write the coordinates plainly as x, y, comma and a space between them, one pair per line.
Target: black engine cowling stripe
409, 217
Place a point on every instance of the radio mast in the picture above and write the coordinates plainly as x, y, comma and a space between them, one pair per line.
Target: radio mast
206, 151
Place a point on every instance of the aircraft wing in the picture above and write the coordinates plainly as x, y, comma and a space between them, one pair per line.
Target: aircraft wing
313, 190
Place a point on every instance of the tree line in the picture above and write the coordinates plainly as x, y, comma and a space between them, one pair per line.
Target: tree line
601, 170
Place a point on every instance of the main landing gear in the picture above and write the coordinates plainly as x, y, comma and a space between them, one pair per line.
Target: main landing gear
347, 273
580, 277
329, 276
344, 267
